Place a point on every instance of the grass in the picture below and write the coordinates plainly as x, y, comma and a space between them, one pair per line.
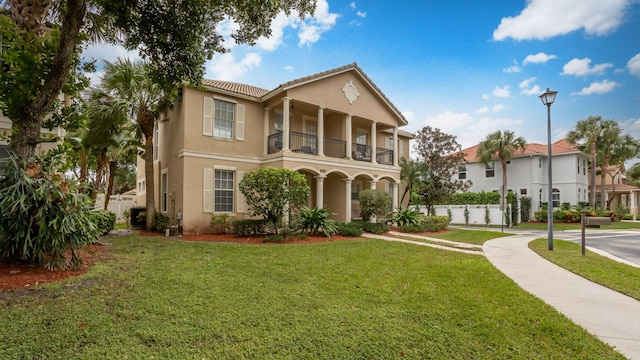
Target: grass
602, 270
476, 237
617, 225
167, 299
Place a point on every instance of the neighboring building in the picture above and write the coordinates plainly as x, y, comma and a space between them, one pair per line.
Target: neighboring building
527, 173
342, 133
618, 191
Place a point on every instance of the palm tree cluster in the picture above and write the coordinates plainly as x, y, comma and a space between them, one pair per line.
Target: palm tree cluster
606, 145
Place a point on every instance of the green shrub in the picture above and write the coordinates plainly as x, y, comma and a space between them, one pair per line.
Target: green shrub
475, 198
621, 211
413, 228
374, 202
541, 215
161, 222
105, 220
244, 227
525, 208
627, 217
435, 223
350, 229
466, 215
127, 217
487, 215
565, 206
407, 217
316, 220
41, 217
274, 238
559, 216
220, 223
375, 228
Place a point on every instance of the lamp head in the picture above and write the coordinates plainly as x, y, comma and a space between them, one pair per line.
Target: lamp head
548, 97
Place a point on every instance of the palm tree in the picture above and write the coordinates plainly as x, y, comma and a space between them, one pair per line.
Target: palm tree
502, 145
126, 92
410, 172
605, 147
124, 146
588, 130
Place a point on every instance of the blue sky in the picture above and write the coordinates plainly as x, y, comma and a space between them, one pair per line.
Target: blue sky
466, 67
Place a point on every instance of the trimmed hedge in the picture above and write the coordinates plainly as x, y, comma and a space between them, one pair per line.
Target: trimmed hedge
105, 220
375, 228
350, 229
244, 227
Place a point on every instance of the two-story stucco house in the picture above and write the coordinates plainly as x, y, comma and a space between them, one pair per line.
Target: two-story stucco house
617, 190
335, 127
527, 173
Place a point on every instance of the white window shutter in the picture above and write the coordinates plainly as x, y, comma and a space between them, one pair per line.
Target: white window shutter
207, 118
207, 193
400, 149
239, 122
242, 202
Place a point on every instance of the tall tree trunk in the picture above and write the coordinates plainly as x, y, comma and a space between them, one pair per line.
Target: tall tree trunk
113, 167
146, 121
101, 163
30, 16
592, 182
603, 182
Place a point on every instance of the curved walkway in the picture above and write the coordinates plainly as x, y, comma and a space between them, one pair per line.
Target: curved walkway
612, 317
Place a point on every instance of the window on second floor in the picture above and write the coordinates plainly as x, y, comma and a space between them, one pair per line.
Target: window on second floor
578, 166
555, 197
584, 167
223, 119
462, 171
489, 170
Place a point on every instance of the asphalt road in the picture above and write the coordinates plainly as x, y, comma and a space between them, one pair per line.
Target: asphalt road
624, 244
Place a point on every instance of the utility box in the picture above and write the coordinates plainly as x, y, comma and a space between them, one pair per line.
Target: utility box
597, 221
136, 222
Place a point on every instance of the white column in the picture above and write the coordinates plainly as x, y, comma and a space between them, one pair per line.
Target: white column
395, 187
265, 147
320, 131
285, 124
320, 190
396, 147
347, 135
633, 206
372, 184
347, 203
374, 140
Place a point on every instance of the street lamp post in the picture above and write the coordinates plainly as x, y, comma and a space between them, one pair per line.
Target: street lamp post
548, 97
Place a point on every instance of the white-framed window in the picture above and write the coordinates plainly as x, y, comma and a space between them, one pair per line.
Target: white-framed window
462, 171
540, 198
361, 136
489, 170
390, 144
277, 121
223, 119
584, 167
578, 166
142, 186
156, 140
223, 189
164, 191
523, 192
555, 197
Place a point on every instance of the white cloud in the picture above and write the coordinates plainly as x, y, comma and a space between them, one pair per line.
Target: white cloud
544, 19
278, 25
602, 87
502, 92
634, 65
513, 68
486, 109
525, 83
498, 107
108, 52
311, 29
353, 5
361, 14
485, 96
582, 67
409, 115
225, 67
535, 90
539, 58
225, 28
483, 110
289, 68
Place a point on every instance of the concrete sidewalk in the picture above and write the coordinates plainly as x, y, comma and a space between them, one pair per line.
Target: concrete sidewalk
612, 317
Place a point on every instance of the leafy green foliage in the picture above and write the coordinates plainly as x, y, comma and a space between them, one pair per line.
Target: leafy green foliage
221, 223
42, 216
312, 221
475, 198
351, 229
244, 227
270, 192
374, 228
525, 208
374, 202
441, 154
161, 222
435, 223
407, 216
105, 220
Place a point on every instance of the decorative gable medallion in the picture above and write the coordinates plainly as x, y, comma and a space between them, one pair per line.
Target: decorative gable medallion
350, 92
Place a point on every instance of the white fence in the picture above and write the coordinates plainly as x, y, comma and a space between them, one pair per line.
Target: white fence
117, 204
477, 214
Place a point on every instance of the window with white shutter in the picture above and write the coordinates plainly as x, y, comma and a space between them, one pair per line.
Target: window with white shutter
207, 191
239, 122
207, 118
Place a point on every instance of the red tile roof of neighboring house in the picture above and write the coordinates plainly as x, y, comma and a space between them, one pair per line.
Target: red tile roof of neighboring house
242, 89
558, 147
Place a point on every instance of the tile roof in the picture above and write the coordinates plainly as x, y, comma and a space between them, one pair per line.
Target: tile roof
619, 188
558, 147
263, 94
238, 88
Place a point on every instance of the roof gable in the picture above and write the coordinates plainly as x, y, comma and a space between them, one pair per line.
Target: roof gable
557, 148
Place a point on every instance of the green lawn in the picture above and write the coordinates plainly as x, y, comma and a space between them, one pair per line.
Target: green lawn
477, 237
602, 270
360, 299
617, 225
